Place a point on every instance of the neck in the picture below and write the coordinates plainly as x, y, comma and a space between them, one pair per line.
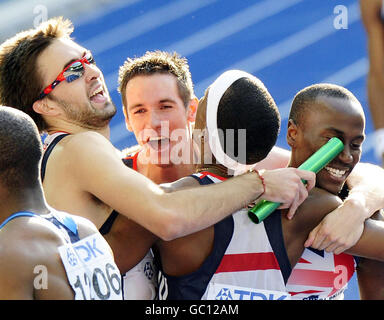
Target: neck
164, 174
25, 200
73, 129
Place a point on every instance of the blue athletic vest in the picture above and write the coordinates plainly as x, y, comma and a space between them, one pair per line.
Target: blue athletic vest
62, 221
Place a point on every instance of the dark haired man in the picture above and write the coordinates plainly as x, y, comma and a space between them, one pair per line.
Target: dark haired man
44, 253
237, 259
66, 95
190, 265
320, 112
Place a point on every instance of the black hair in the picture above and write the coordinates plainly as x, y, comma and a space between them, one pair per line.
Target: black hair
247, 104
21, 150
307, 98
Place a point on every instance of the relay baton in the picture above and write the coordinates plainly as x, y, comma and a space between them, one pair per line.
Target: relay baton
314, 163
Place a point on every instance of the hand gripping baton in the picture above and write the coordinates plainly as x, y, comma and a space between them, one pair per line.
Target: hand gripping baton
314, 163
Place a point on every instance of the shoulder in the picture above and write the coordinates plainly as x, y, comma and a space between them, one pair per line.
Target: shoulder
318, 204
86, 141
89, 150
370, 11
321, 198
25, 243
85, 226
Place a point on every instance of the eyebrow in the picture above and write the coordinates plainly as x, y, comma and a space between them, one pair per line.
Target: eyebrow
161, 101
73, 60
167, 100
339, 132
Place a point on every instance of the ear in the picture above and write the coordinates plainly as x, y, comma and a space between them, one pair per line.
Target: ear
192, 108
42, 107
292, 132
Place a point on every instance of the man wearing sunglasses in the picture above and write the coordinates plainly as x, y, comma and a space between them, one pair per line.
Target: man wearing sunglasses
41, 75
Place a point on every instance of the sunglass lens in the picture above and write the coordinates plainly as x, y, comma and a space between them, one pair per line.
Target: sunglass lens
74, 72
89, 58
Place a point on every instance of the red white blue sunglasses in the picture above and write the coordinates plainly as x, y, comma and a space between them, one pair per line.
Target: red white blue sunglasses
70, 73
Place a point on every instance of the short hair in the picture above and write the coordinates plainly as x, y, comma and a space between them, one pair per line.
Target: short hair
157, 62
20, 80
307, 98
21, 150
247, 104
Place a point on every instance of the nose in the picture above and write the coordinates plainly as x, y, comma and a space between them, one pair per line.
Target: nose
346, 156
154, 120
91, 72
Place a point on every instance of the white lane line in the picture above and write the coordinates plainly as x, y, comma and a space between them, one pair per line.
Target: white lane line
220, 30
285, 47
229, 26
142, 24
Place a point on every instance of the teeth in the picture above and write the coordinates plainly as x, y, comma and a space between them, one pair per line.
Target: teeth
156, 138
336, 172
96, 91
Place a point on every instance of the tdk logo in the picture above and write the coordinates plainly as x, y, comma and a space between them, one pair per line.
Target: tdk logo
88, 250
224, 294
248, 294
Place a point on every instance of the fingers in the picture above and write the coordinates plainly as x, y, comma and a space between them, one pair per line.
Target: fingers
295, 204
311, 238
322, 240
292, 192
316, 238
299, 199
309, 176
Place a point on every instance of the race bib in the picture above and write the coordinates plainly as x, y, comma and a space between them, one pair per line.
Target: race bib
217, 291
91, 270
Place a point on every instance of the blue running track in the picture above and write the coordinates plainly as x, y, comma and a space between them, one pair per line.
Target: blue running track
288, 44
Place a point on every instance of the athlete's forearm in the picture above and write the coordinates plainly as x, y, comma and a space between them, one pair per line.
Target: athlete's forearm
371, 243
375, 89
197, 208
366, 184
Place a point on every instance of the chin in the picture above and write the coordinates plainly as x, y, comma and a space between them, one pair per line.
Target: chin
331, 187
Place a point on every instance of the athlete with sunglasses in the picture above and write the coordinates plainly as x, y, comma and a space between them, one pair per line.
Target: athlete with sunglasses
84, 173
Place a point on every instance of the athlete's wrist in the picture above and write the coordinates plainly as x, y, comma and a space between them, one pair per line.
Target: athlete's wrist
258, 182
357, 204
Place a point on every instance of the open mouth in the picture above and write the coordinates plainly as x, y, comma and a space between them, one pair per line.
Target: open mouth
336, 173
97, 95
158, 143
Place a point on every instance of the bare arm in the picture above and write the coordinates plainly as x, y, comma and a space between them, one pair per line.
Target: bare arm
16, 281
370, 11
370, 277
341, 228
30, 267
370, 273
371, 243
277, 158
170, 215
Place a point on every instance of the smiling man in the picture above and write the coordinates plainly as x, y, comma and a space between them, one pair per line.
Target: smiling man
159, 106
44, 73
320, 112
